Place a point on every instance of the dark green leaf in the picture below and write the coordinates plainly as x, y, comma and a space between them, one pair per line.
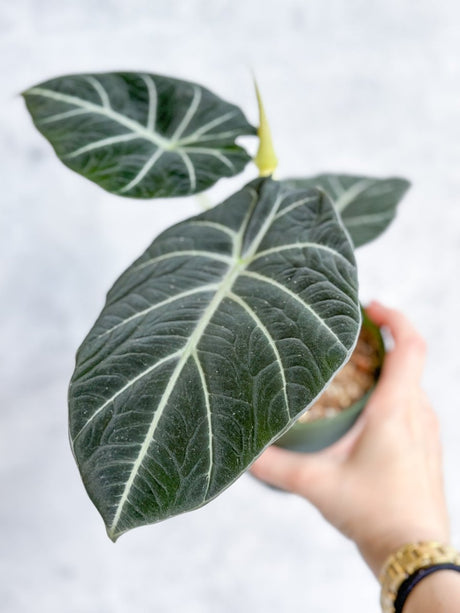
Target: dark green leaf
367, 205
209, 347
140, 135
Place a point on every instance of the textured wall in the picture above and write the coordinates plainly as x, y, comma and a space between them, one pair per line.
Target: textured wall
349, 85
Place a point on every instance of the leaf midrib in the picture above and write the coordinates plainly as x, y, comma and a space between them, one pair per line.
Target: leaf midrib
188, 351
237, 266
148, 133
134, 126
189, 348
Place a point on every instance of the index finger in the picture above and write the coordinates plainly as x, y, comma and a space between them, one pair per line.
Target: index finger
404, 364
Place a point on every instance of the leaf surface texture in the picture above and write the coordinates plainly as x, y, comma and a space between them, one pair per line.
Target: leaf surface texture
367, 205
140, 135
208, 348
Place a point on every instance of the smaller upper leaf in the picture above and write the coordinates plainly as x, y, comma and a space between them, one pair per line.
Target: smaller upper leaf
367, 205
140, 135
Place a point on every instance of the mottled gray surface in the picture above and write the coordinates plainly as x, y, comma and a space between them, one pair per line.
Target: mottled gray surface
350, 85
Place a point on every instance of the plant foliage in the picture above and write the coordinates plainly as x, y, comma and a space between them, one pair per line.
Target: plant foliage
140, 135
209, 346
231, 323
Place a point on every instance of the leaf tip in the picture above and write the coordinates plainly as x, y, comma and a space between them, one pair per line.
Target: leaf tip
406, 183
112, 534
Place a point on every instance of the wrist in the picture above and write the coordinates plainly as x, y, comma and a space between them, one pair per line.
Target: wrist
410, 565
439, 591
376, 550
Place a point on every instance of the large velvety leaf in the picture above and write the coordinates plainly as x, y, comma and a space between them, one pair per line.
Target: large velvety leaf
208, 348
140, 135
367, 205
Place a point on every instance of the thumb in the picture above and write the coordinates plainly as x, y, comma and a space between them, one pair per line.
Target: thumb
300, 473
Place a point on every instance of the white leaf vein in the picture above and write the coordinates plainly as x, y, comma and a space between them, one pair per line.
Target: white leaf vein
212, 152
104, 142
213, 255
251, 250
204, 129
196, 290
195, 103
358, 220
153, 101
217, 226
286, 290
295, 205
91, 107
103, 95
189, 167
306, 245
129, 384
208, 420
270, 340
347, 197
146, 168
64, 115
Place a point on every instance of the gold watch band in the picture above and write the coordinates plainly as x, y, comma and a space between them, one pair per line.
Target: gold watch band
406, 561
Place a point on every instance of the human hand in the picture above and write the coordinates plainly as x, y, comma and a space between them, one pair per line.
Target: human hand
381, 484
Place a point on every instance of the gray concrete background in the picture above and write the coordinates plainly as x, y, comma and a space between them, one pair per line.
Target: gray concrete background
349, 85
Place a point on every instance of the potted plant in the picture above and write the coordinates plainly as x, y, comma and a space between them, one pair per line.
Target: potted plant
232, 323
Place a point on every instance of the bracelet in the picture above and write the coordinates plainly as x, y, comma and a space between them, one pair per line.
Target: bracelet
409, 565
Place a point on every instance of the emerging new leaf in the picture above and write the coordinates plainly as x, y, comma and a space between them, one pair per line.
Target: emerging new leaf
366, 205
140, 135
209, 347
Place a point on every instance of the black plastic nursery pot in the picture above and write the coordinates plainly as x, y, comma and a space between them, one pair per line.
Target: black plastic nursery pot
320, 433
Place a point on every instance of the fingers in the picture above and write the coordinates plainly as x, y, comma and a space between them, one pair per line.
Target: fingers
403, 366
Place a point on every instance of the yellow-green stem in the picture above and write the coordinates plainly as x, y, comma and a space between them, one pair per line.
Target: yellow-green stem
265, 159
